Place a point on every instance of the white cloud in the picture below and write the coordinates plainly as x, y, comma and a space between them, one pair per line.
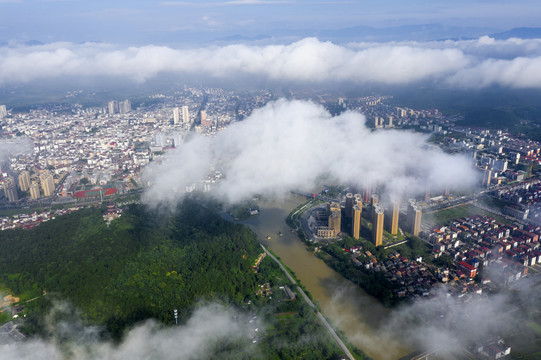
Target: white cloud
193, 340
307, 61
14, 147
447, 324
441, 322
290, 144
520, 72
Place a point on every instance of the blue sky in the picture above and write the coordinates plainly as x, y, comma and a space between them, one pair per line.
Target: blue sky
169, 21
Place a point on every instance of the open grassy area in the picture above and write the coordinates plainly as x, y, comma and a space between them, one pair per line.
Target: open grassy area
130, 196
11, 212
442, 217
391, 239
286, 315
493, 202
535, 327
525, 344
5, 316
293, 219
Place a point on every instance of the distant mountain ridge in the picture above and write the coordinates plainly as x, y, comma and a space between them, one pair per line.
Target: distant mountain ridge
522, 33
239, 38
423, 32
24, 43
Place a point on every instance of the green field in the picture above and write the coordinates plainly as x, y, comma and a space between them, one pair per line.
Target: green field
442, 217
11, 212
5, 317
535, 327
493, 202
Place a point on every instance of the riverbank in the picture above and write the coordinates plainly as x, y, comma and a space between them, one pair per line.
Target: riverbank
324, 321
347, 307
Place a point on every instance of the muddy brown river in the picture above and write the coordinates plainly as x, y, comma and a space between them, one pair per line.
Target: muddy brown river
348, 307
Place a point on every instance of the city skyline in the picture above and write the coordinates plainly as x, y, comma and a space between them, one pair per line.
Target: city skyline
174, 174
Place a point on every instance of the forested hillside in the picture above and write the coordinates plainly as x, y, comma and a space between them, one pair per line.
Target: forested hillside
148, 263
145, 264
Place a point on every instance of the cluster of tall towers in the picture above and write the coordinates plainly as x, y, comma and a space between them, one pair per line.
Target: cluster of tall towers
30, 184
380, 121
390, 220
185, 115
47, 183
119, 107
381, 217
9, 189
26, 184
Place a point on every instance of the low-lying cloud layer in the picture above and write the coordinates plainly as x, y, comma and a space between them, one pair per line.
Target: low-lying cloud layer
290, 145
194, 340
448, 326
14, 147
470, 63
441, 323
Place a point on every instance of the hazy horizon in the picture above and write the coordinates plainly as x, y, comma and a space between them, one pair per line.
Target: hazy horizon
463, 64
463, 45
194, 22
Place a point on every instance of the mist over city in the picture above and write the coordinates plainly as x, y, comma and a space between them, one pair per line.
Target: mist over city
268, 179
272, 152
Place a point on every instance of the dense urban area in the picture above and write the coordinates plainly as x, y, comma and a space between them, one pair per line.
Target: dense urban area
89, 160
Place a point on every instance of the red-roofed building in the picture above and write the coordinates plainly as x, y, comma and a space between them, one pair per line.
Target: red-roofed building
467, 269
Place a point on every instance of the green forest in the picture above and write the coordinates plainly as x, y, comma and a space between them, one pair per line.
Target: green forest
149, 262
143, 265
